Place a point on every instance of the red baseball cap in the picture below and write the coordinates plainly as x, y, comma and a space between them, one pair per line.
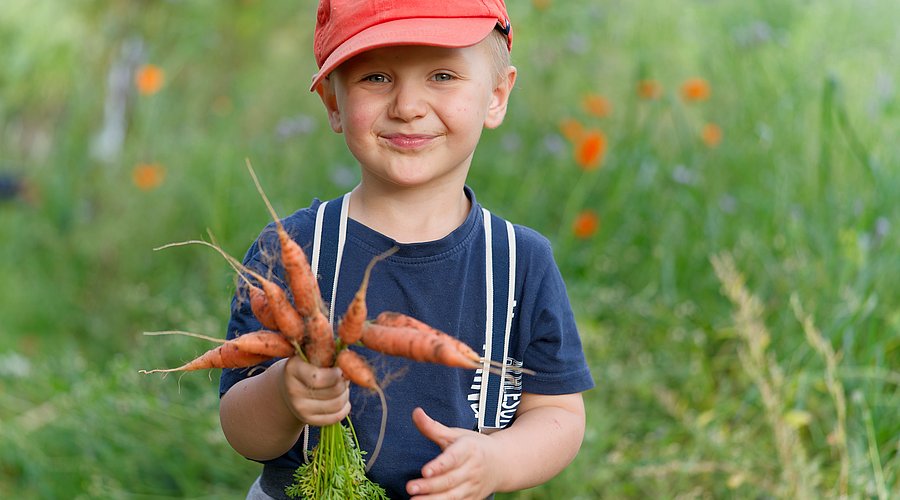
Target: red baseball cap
345, 28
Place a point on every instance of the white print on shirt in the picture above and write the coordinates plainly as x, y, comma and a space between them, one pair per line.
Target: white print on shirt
512, 391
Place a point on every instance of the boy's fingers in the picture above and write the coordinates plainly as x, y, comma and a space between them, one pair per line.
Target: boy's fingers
327, 415
450, 485
430, 428
437, 432
314, 377
320, 378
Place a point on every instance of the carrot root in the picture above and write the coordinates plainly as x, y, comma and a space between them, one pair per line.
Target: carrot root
187, 334
371, 461
350, 326
412, 344
303, 284
226, 355
395, 319
318, 343
271, 344
259, 304
360, 372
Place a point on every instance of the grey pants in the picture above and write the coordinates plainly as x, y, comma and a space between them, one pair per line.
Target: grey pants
270, 484
256, 492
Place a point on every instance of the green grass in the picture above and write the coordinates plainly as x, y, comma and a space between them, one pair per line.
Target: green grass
737, 379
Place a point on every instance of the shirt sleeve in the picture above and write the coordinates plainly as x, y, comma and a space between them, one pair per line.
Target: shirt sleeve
554, 349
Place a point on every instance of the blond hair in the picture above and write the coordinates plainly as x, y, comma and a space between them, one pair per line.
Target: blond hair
499, 52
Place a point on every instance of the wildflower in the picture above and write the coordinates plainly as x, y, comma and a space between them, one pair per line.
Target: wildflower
695, 89
798, 418
149, 79
649, 89
344, 176
590, 150
294, 126
684, 175
711, 134
571, 129
586, 224
578, 43
148, 176
596, 105
728, 203
736, 480
511, 142
554, 144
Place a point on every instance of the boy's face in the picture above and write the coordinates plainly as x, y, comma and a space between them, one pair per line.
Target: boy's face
412, 115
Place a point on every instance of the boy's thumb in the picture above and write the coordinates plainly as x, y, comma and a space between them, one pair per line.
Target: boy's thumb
432, 429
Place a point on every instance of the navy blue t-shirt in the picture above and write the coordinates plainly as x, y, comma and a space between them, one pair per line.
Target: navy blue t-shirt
442, 283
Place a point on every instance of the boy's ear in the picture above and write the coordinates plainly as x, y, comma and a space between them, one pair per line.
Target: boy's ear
325, 89
500, 98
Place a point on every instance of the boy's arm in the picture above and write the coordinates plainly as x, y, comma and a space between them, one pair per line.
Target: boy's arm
544, 439
262, 416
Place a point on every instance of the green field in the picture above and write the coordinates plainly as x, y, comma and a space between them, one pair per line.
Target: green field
730, 252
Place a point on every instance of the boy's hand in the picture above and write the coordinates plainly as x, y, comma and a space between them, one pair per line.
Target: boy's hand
464, 469
316, 396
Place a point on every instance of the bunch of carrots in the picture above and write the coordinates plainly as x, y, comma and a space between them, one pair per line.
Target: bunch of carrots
301, 328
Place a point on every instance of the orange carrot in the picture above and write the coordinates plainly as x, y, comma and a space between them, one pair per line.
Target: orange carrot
390, 318
271, 344
360, 372
227, 355
298, 272
414, 344
260, 307
400, 320
288, 320
318, 344
357, 369
350, 327
303, 284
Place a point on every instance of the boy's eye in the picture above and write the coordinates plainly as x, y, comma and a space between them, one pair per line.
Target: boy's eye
375, 78
443, 77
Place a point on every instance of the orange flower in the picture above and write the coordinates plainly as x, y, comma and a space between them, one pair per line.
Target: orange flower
148, 176
649, 89
711, 134
596, 105
149, 79
695, 89
586, 224
541, 4
571, 129
590, 150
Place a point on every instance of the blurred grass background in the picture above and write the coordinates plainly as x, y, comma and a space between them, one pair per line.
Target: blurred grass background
719, 179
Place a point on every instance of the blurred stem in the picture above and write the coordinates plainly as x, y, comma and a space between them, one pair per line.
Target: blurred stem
874, 458
574, 202
856, 146
763, 370
826, 127
835, 389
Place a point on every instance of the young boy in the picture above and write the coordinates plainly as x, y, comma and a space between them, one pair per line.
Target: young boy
411, 84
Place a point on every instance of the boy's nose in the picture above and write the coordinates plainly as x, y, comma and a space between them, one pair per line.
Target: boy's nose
409, 103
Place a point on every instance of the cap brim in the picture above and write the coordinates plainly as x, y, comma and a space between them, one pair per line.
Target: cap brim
437, 32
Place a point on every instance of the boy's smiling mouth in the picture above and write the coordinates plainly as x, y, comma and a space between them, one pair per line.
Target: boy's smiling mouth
408, 141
